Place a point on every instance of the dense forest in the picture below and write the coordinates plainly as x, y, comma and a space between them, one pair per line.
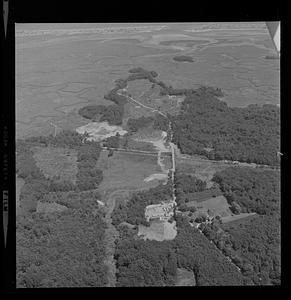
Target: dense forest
250, 190
248, 134
253, 244
186, 184
133, 211
60, 249
152, 263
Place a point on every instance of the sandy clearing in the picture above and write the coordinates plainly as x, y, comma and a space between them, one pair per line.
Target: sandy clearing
99, 131
157, 176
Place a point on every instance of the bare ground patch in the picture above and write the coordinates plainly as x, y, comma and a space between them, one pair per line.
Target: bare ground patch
185, 277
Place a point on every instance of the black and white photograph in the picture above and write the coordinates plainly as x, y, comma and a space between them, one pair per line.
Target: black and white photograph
144, 148
147, 154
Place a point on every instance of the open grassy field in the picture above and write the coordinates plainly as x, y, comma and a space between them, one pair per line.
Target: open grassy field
149, 94
158, 231
57, 162
218, 205
126, 171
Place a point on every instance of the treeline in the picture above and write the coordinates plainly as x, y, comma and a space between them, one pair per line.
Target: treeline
152, 263
73, 199
89, 176
208, 90
248, 134
183, 58
157, 122
65, 138
133, 211
250, 190
61, 249
253, 244
186, 184
111, 113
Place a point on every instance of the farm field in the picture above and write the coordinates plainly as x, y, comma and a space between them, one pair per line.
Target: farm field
217, 205
126, 171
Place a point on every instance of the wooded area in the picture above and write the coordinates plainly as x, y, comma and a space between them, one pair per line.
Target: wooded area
248, 134
60, 249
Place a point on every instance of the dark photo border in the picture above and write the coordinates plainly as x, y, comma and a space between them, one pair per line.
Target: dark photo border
53, 11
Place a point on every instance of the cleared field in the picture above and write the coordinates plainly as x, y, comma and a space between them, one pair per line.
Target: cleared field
126, 170
203, 170
134, 111
158, 231
149, 94
137, 87
218, 206
185, 277
204, 195
57, 162
236, 217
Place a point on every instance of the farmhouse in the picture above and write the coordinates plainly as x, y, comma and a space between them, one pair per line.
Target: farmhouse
162, 211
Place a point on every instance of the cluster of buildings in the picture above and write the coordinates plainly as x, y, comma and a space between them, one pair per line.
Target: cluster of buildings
163, 211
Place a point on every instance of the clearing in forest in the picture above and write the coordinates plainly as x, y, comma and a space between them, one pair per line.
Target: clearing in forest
185, 277
57, 162
99, 131
158, 231
202, 169
126, 169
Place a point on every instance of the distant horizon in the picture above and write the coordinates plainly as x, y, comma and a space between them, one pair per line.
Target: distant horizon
133, 23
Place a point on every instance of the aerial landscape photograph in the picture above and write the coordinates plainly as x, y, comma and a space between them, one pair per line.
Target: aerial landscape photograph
147, 155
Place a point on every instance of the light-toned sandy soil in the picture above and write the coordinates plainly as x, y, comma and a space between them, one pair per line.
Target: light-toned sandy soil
99, 131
